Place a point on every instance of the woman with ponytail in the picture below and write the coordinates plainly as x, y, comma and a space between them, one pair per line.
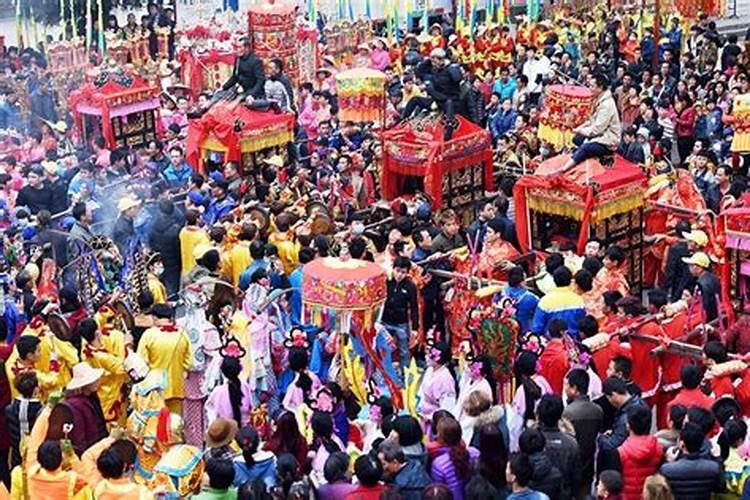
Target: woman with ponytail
325, 442
230, 400
253, 464
736, 467
454, 467
530, 388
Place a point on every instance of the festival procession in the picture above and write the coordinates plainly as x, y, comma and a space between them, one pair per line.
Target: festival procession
359, 250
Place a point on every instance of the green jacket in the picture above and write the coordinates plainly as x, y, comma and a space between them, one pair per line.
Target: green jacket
209, 493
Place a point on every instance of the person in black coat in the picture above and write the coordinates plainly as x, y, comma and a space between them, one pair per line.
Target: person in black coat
676, 274
693, 476
124, 231
443, 79
54, 243
546, 477
164, 238
248, 73
58, 187
22, 412
474, 101
35, 195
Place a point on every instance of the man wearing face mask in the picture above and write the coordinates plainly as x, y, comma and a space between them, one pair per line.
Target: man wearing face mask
600, 134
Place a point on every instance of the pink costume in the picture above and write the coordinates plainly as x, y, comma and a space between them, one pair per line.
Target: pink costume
516, 425
380, 59
219, 404
259, 337
294, 396
438, 390
320, 456
311, 116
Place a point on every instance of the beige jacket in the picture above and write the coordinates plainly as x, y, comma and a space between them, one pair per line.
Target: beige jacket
604, 125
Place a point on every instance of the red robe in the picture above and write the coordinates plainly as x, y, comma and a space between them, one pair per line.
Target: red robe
691, 397
742, 393
505, 49
646, 368
603, 356
554, 365
671, 364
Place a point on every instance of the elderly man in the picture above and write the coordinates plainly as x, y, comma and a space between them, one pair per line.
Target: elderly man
600, 134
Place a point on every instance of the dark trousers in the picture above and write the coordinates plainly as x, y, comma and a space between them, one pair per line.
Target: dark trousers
684, 147
586, 150
448, 106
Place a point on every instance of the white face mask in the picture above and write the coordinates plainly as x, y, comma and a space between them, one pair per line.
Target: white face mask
358, 228
158, 270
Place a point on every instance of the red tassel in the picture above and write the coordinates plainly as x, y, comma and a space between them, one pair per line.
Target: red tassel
162, 427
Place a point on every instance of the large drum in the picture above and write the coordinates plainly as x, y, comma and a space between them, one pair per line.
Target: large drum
565, 108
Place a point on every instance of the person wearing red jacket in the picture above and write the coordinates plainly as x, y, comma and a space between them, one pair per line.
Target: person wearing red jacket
685, 127
715, 353
690, 394
554, 363
588, 327
646, 369
640, 454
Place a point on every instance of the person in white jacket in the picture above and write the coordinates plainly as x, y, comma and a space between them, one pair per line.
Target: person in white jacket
600, 134
536, 68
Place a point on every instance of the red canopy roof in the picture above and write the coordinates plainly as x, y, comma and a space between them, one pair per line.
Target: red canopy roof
605, 178
231, 122
588, 192
416, 147
113, 88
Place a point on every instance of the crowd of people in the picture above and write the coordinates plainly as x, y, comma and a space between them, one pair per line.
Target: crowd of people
153, 334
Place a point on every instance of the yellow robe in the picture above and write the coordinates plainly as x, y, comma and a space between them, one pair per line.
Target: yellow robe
238, 260
110, 357
168, 348
157, 289
288, 250
60, 485
191, 237
49, 380
121, 489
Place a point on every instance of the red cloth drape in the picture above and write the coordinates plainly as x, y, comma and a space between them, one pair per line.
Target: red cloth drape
553, 182
469, 146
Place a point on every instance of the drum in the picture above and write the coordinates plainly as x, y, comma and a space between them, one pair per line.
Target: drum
565, 108
59, 326
124, 314
260, 217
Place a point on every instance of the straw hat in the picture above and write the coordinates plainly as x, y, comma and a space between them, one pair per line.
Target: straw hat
83, 375
60, 126
220, 432
127, 203
50, 166
275, 160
